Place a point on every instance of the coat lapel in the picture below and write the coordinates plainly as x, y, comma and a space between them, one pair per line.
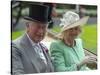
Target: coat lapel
34, 58
50, 66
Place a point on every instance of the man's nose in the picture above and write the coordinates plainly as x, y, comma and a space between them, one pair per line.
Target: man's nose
41, 31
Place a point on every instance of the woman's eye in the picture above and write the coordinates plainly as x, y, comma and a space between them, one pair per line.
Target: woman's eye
76, 28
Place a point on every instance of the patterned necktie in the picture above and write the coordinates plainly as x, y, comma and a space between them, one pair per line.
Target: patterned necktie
40, 52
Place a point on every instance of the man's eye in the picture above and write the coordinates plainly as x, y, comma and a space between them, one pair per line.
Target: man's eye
71, 29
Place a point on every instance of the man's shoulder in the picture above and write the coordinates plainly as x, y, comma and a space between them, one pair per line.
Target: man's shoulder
16, 42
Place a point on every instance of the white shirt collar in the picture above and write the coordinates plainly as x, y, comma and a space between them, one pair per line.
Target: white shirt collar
37, 51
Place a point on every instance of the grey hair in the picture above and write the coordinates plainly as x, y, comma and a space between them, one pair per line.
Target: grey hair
28, 22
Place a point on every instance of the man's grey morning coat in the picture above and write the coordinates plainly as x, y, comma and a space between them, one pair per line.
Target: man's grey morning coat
25, 60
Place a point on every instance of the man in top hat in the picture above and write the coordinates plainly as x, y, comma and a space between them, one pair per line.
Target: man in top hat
28, 54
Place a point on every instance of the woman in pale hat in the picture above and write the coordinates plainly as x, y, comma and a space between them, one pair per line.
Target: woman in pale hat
67, 53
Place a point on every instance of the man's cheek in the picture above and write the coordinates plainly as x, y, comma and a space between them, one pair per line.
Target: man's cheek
34, 31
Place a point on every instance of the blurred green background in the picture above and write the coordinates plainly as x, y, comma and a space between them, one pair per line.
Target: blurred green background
89, 36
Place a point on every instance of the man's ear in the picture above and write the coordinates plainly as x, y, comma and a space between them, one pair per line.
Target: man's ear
27, 24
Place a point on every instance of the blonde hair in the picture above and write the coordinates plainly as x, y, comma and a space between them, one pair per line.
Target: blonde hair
64, 34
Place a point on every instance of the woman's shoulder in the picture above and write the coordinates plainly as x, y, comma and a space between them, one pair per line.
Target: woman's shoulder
78, 41
56, 46
56, 42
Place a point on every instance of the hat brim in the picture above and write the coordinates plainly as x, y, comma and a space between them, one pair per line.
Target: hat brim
31, 19
80, 22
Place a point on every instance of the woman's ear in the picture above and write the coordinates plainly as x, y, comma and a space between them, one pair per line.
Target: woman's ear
80, 29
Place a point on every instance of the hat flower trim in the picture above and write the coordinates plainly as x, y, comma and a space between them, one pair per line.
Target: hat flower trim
69, 18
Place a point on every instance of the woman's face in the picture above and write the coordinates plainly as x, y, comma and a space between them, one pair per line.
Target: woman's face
73, 32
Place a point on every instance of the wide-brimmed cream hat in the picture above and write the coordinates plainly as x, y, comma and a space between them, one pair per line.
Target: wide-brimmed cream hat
70, 20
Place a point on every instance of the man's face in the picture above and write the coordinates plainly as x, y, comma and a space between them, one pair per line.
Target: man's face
36, 31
